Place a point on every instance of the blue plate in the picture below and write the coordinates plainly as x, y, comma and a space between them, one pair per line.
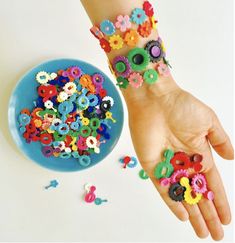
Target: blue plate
25, 94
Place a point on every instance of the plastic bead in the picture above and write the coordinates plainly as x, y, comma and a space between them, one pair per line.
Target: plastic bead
62, 96
136, 80
65, 155
99, 201
165, 169
133, 163
138, 59
188, 197
145, 29
148, 8
155, 51
98, 79
143, 175
105, 106
123, 23
163, 70
150, 76
180, 161
47, 92
75, 72
63, 129
85, 131
24, 119
107, 27
116, 42
165, 181
122, 82
92, 143
46, 138
83, 102
110, 99
138, 16
43, 77
209, 195
177, 175
121, 66
81, 144
47, 151
85, 121
90, 196
96, 32
93, 100
109, 115
53, 183
176, 192
94, 123
105, 45
131, 38
70, 88
84, 160
199, 183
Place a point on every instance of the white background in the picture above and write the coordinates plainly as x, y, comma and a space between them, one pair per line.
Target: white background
198, 37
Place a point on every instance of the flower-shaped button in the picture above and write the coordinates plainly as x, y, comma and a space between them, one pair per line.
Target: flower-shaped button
154, 48
138, 16
163, 69
116, 42
135, 80
107, 27
121, 66
131, 38
123, 23
150, 76
122, 82
138, 58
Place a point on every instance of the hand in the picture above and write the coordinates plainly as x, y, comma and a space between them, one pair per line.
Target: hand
177, 120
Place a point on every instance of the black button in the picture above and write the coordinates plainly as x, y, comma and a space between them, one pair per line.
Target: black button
138, 59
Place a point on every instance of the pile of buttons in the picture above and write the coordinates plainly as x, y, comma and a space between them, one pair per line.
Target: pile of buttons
180, 172
72, 114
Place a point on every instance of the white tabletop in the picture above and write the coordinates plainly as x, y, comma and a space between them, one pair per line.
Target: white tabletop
198, 38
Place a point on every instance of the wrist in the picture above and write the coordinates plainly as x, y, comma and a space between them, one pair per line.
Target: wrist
148, 93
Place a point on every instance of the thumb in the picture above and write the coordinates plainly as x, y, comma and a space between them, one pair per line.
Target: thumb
220, 140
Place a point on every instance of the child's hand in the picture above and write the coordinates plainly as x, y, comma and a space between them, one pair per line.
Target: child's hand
179, 121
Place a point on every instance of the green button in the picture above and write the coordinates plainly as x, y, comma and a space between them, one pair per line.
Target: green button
120, 67
143, 175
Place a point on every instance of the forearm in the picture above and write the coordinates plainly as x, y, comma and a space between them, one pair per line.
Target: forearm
110, 9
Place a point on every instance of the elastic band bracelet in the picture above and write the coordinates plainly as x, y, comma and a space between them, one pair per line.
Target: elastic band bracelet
132, 69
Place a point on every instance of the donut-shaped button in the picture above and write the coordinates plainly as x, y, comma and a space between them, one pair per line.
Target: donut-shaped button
93, 100
46, 138
63, 129
83, 102
85, 131
84, 160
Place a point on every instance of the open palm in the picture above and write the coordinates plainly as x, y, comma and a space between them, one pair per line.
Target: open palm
179, 121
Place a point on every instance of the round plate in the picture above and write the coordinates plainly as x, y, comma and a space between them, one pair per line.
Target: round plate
23, 97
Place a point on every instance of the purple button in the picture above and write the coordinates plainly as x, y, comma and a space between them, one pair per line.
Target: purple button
155, 51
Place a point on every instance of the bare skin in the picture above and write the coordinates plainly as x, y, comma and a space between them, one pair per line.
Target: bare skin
179, 121
163, 116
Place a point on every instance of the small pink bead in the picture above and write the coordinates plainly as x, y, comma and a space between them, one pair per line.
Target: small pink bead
165, 181
209, 195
